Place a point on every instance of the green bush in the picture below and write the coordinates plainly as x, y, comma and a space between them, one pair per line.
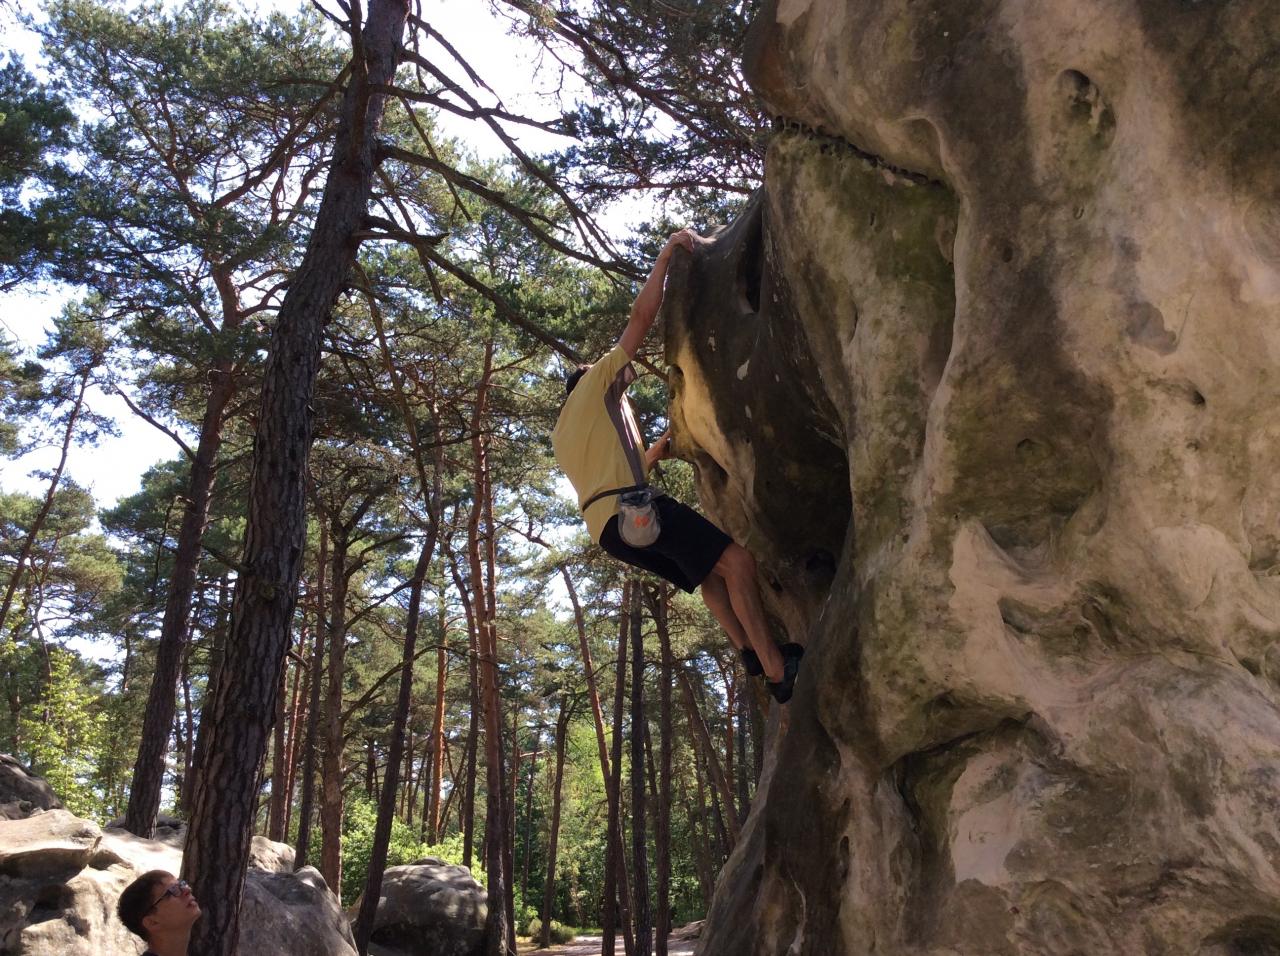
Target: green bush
559, 932
361, 815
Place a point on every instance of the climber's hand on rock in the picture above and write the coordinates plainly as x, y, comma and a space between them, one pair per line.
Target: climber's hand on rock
660, 450
685, 239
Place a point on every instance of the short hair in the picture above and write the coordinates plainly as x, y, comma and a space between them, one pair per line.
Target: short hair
136, 902
573, 378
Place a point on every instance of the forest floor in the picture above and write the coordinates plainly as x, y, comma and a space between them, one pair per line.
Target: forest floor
590, 946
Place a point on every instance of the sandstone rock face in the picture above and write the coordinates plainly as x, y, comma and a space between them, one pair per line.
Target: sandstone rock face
60, 878
1005, 319
22, 792
429, 907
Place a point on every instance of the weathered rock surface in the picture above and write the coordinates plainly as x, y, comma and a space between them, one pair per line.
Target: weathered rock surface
1006, 317
22, 792
429, 907
60, 878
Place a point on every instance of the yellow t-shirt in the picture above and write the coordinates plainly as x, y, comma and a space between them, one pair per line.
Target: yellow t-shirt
596, 440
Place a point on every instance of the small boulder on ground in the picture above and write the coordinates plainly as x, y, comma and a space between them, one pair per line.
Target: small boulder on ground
22, 793
429, 907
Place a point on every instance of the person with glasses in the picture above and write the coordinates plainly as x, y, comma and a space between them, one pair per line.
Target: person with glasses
159, 907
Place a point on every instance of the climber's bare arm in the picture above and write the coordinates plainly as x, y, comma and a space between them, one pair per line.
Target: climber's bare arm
658, 451
649, 301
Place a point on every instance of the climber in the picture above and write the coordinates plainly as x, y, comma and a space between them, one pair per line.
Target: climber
597, 444
159, 907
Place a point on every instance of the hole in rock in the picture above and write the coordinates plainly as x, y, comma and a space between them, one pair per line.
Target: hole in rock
1086, 103
843, 863
50, 902
821, 563
1249, 936
1196, 397
1006, 253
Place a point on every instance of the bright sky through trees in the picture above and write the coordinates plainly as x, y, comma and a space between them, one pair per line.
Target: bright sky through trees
510, 65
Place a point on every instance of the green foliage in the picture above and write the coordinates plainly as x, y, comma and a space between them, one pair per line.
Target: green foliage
64, 732
36, 126
359, 819
20, 390
559, 932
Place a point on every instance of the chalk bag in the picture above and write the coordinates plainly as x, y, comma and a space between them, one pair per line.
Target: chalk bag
638, 523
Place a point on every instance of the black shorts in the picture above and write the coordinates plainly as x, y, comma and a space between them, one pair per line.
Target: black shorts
687, 548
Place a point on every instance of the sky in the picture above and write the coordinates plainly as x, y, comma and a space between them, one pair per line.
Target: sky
114, 468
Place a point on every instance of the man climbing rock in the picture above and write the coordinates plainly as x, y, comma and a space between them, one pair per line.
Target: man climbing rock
598, 446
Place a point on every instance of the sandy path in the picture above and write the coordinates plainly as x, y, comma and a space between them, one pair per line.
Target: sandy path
590, 946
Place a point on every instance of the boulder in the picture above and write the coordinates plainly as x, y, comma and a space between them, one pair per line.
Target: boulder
1005, 318
429, 909
22, 792
60, 878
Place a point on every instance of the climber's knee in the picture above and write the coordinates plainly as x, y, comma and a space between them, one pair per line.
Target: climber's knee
736, 565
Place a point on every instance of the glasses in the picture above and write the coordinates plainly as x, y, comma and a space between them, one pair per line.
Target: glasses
177, 889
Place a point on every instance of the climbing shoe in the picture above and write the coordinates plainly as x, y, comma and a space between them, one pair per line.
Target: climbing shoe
781, 691
751, 661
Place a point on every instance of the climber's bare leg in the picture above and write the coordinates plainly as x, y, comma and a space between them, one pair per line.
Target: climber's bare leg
738, 569
715, 595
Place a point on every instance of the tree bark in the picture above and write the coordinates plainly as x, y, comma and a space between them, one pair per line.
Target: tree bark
528, 814
275, 809
362, 929
497, 927
639, 844
614, 837
148, 769
662, 834
306, 806
334, 734
301, 689
238, 710
710, 758
744, 731
617, 887
553, 838
437, 738
467, 808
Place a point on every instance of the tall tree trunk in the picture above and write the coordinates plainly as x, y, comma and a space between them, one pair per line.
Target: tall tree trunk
467, 808
701, 838
730, 733
240, 703
334, 727
662, 834
306, 807
528, 815
709, 756
275, 809
431, 814
553, 839
28, 543
497, 928
614, 835
362, 929
148, 770
639, 843
189, 737
217, 648
617, 891
506, 831
301, 689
